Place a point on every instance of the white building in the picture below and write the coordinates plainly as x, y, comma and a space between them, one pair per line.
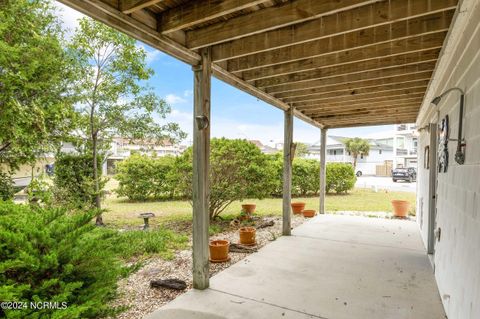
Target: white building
448, 197
121, 148
395, 148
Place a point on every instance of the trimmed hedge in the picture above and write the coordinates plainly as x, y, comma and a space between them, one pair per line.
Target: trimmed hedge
340, 177
142, 177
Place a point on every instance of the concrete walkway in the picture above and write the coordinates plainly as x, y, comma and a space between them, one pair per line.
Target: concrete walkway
333, 267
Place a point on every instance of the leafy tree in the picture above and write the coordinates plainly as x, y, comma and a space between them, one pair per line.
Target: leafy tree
36, 107
238, 170
7, 190
112, 99
73, 180
357, 146
301, 149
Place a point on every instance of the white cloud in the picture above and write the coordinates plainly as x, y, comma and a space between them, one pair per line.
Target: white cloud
188, 93
174, 99
69, 18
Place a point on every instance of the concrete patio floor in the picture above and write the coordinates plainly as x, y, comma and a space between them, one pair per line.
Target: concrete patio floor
333, 267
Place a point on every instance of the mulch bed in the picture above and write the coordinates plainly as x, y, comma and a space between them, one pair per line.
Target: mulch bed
141, 299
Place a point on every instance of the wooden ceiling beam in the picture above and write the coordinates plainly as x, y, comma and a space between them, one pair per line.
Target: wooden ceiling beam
129, 6
352, 110
367, 114
200, 11
395, 80
384, 97
430, 30
377, 14
360, 92
369, 120
138, 30
352, 78
371, 123
347, 106
350, 68
383, 50
275, 17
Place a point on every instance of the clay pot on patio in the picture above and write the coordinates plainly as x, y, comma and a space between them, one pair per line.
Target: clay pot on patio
400, 208
309, 213
247, 236
219, 250
249, 208
297, 207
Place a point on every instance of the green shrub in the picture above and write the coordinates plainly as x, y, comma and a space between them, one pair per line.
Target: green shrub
143, 177
239, 170
7, 190
275, 162
73, 180
340, 177
53, 256
305, 177
40, 191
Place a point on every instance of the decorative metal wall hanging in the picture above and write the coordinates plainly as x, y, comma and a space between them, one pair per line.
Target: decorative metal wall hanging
443, 145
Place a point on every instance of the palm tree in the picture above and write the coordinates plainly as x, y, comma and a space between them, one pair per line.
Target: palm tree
357, 146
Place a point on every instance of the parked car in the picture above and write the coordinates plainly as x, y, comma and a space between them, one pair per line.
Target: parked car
404, 174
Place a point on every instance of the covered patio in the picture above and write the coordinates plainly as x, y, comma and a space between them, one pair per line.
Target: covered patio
332, 267
333, 64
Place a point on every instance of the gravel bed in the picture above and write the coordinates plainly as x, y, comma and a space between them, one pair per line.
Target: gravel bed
136, 294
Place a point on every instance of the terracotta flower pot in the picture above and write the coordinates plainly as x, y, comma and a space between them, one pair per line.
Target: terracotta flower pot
247, 235
219, 250
309, 213
400, 208
297, 207
249, 208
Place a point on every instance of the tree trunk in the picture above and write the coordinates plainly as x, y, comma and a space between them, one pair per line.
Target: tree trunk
355, 162
98, 200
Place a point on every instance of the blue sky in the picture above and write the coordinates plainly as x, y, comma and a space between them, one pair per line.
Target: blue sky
235, 114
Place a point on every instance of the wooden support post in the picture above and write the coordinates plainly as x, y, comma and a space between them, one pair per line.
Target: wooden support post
201, 167
323, 168
287, 171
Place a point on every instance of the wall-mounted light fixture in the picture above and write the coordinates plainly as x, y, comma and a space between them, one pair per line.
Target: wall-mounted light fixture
202, 122
460, 153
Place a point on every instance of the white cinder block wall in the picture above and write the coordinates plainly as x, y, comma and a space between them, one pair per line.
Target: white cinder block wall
457, 254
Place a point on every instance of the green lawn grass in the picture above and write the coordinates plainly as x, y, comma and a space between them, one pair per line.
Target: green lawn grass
122, 212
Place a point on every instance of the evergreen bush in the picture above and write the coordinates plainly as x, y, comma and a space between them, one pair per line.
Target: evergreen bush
49, 255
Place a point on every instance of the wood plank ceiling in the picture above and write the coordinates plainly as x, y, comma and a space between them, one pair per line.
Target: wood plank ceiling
339, 63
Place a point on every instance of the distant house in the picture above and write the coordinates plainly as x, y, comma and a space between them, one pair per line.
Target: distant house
366, 165
121, 148
265, 148
397, 148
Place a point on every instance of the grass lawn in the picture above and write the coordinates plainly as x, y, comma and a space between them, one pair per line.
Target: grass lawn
122, 212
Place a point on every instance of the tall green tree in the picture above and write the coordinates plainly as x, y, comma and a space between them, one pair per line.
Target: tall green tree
357, 146
36, 74
113, 101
